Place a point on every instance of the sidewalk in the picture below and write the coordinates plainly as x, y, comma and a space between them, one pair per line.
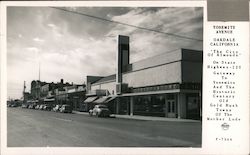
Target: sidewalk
145, 118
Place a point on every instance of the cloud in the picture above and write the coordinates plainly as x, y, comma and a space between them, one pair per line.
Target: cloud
144, 43
169, 20
51, 25
32, 49
72, 46
38, 40
55, 30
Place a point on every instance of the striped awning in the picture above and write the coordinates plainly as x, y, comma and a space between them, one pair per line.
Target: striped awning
110, 99
49, 100
101, 100
90, 99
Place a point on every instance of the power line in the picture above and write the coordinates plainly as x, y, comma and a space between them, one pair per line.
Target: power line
121, 23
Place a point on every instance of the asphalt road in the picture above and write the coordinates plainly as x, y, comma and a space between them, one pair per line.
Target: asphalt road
35, 128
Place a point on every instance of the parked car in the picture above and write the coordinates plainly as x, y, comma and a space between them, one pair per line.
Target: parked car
100, 111
57, 108
13, 105
37, 107
24, 106
44, 106
66, 109
41, 107
47, 107
31, 106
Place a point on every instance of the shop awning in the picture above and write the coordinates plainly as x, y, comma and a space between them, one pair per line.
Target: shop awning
90, 99
101, 100
110, 99
49, 100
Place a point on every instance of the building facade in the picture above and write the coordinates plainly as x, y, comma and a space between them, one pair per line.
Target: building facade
58, 93
166, 85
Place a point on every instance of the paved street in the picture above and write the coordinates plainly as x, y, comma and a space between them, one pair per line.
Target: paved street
35, 128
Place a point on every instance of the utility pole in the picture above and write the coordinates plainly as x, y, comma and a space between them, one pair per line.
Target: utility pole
39, 74
24, 87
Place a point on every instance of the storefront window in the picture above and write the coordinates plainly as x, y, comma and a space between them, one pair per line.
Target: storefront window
170, 96
158, 104
153, 105
193, 106
124, 105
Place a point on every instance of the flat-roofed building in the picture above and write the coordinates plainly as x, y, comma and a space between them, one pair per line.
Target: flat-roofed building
166, 85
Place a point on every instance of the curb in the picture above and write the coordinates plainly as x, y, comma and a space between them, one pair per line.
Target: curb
156, 119
81, 113
142, 118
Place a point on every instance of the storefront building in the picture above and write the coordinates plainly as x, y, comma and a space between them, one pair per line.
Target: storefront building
58, 93
166, 85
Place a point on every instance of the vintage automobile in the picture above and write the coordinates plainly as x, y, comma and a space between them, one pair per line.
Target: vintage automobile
14, 105
41, 107
66, 109
56, 108
25, 106
37, 107
100, 111
31, 106
47, 107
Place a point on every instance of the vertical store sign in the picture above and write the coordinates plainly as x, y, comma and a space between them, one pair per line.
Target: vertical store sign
226, 87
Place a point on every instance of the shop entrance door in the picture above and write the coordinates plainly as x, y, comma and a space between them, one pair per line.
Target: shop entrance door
171, 104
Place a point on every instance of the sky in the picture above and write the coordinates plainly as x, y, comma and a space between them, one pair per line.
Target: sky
71, 46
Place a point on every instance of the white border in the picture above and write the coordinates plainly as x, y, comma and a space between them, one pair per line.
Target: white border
85, 150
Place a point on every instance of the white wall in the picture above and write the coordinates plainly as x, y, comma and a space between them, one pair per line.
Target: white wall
110, 86
158, 60
169, 73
